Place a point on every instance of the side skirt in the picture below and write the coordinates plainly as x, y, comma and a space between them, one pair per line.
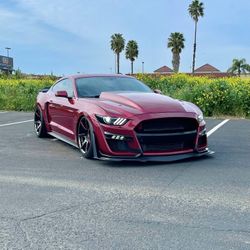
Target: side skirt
72, 143
63, 138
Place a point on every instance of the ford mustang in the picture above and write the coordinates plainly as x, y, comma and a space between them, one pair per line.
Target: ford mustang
117, 117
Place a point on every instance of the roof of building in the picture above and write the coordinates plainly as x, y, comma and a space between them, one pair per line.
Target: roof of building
164, 69
206, 68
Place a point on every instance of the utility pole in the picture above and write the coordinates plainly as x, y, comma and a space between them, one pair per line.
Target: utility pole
7, 49
142, 68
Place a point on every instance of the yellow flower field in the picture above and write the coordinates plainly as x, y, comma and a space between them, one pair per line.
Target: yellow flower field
219, 96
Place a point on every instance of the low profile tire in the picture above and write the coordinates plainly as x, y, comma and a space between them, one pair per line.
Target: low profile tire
85, 137
39, 124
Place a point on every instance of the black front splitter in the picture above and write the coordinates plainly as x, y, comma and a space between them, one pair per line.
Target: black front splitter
165, 158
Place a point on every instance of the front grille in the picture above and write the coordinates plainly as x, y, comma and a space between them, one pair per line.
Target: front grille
121, 146
167, 135
118, 146
167, 125
202, 142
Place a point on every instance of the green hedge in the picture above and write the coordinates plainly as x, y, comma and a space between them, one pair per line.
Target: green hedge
215, 96
20, 94
219, 96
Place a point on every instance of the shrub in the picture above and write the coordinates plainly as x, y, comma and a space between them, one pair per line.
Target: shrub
20, 94
218, 96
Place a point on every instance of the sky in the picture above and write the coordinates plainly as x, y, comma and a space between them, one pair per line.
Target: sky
65, 37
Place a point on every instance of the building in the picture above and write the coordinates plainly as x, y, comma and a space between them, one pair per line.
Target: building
211, 71
164, 70
204, 70
207, 69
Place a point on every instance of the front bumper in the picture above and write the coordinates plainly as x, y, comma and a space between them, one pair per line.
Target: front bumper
124, 143
162, 158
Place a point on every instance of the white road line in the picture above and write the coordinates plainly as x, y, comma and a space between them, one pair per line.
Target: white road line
217, 127
3, 112
15, 123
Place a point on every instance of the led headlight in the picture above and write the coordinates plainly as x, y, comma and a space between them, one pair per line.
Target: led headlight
200, 118
116, 121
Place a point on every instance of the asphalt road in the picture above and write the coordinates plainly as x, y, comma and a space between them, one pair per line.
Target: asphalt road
52, 198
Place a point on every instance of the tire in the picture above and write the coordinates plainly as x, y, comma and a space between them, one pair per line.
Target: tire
39, 124
85, 137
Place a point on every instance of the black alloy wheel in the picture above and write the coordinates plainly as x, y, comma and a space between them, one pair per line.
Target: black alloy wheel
39, 124
85, 137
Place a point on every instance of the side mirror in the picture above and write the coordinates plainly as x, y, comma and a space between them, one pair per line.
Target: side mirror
62, 93
157, 91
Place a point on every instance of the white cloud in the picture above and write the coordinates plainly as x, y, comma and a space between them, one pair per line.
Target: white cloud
78, 17
18, 28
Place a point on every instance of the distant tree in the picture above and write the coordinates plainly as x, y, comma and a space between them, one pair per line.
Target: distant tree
248, 68
117, 45
18, 74
239, 66
132, 53
176, 43
196, 10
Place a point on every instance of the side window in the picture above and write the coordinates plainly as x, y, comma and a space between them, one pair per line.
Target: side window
58, 86
66, 85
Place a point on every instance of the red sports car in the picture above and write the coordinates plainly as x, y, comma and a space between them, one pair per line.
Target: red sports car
117, 117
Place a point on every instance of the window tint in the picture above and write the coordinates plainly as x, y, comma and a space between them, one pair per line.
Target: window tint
66, 85
94, 86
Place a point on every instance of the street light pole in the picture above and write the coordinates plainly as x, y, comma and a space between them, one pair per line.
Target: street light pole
142, 69
7, 49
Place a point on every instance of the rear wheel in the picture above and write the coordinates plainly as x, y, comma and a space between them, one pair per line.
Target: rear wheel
39, 124
85, 137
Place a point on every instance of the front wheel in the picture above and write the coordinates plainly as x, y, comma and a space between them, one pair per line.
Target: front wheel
84, 137
39, 124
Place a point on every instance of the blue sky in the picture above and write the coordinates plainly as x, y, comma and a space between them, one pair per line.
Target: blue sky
65, 37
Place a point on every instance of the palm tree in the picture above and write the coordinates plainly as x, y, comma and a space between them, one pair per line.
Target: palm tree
196, 10
176, 43
239, 66
132, 53
117, 45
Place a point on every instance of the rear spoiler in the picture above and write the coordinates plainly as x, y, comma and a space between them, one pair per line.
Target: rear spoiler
44, 90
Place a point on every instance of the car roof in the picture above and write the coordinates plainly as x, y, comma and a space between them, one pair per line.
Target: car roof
96, 75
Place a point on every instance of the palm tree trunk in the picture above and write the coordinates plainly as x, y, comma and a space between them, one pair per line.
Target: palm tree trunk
194, 52
132, 67
176, 62
118, 63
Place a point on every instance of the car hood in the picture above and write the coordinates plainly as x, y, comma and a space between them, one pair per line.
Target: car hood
131, 103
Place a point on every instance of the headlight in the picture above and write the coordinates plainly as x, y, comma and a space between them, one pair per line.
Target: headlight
200, 118
116, 121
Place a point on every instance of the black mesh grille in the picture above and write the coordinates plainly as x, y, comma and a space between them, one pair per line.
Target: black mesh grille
120, 146
202, 142
168, 134
167, 125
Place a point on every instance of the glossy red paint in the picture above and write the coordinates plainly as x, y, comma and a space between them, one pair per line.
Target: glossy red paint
62, 114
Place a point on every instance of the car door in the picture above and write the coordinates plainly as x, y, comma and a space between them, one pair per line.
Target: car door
62, 110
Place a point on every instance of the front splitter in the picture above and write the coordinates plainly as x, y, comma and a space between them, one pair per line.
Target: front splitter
165, 158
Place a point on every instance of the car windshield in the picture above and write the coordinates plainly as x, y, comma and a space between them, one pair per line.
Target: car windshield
94, 86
